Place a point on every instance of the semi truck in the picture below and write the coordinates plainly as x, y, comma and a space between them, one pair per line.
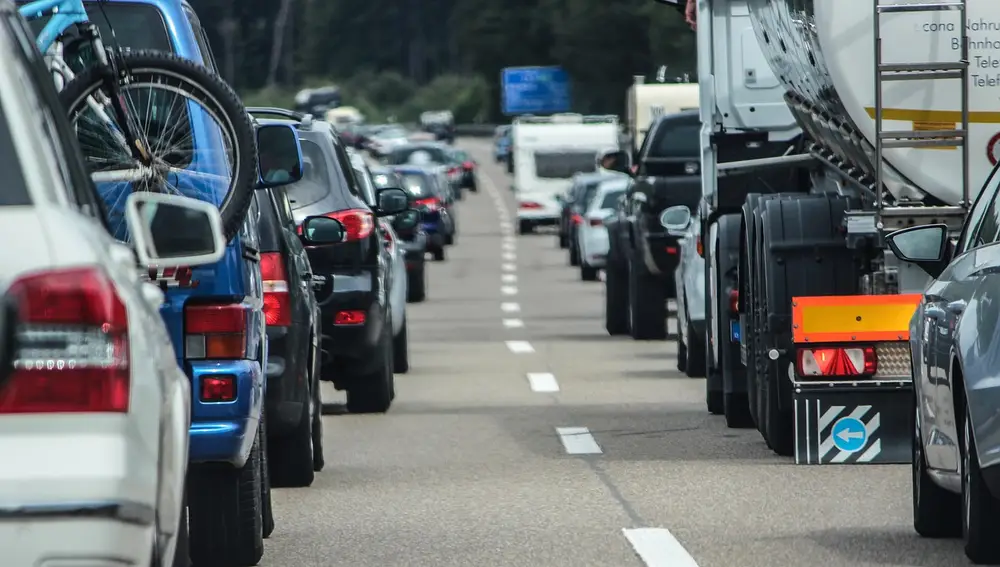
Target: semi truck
826, 125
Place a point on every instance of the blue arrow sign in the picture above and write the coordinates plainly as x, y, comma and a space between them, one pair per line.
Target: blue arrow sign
849, 434
534, 90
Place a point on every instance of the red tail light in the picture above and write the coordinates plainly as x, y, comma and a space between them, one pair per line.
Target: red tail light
671, 249
216, 332
277, 301
576, 219
734, 301
431, 203
837, 361
355, 317
358, 223
220, 388
529, 205
468, 165
73, 354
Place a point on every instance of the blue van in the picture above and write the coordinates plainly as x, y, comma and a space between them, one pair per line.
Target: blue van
214, 315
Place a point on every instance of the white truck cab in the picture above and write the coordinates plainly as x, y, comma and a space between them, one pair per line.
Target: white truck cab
547, 152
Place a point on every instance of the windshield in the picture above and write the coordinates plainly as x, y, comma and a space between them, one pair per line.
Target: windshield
417, 185
315, 182
563, 165
677, 141
611, 198
402, 155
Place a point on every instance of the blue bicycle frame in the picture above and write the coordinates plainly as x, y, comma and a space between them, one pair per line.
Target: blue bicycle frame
65, 14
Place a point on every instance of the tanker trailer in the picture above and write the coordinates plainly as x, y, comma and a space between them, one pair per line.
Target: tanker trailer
893, 133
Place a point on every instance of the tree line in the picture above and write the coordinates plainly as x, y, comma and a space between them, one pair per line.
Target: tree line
407, 53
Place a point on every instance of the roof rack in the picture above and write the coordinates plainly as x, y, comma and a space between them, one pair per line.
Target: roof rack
305, 119
567, 118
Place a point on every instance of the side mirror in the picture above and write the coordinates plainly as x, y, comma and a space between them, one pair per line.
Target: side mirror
617, 160
676, 219
279, 156
9, 320
392, 201
406, 220
174, 231
322, 230
926, 246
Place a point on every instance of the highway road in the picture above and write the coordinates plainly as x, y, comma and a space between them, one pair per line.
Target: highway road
525, 436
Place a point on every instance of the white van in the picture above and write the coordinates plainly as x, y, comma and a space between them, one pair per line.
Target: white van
547, 152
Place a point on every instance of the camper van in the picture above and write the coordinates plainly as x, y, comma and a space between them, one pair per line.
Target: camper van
546, 152
648, 101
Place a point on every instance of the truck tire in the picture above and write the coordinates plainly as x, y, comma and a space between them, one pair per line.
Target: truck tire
224, 513
748, 287
647, 304
291, 459
937, 513
616, 300
735, 398
373, 392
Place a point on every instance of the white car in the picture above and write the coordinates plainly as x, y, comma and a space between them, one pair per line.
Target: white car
689, 279
591, 234
94, 411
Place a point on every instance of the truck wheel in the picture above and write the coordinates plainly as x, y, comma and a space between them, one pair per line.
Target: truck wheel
937, 513
616, 301
224, 511
588, 274
779, 430
416, 285
746, 276
525, 227
695, 365
647, 305
736, 408
373, 392
292, 455
401, 352
714, 401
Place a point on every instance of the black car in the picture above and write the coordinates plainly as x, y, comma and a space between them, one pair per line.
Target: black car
294, 428
413, 238
351, 278
433, 200
429, 153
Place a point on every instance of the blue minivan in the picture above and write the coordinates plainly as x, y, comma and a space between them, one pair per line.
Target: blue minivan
214, 315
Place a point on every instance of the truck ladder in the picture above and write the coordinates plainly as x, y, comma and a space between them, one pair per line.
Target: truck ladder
921, 71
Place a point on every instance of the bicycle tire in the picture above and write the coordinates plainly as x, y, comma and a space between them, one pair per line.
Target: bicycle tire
236, 202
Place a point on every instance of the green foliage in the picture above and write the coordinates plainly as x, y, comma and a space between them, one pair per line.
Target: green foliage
405, 56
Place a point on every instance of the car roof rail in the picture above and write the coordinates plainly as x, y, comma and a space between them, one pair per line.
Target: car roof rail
305, 119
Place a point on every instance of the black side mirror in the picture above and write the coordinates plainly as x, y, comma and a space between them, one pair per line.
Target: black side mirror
392, 201
617, 160
927, 246
322, 230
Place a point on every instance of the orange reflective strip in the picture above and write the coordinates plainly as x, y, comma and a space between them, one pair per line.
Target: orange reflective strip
853, 318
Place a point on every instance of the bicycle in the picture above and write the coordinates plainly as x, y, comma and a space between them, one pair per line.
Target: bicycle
153, 150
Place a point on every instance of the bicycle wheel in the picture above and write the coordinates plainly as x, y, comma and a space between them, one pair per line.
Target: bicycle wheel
197, 135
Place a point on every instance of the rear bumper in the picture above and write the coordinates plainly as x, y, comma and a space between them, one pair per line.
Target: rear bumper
351, 347
287, 374
225, 431
661, 255
82, 534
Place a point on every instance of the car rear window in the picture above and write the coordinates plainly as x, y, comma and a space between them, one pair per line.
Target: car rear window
402, 156
563, 165
15, 191
611, 198
316, 178
417, 184
681, 140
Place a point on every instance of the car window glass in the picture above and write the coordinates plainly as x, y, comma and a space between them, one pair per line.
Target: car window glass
989, 227
977, 216
316, 179
563, 165
417, 185
610, 200
347, 170
677, 140
367, 186
199, 36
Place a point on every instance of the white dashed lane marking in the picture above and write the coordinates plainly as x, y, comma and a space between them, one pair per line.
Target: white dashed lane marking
578, 441
508, 278
543, 382
509, 256
510, 307
513, 323
508, 290
509, 267
520, 347
657, 547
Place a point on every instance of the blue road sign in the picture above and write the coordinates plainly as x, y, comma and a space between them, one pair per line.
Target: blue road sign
534, 90
849, 434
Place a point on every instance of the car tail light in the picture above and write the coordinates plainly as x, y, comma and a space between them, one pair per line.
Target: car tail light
358, 223
837, 361
277, 301
596, 222
221, 388
734, 301
431, 203
216, 332
529, 205
576, 219
73, 352
671, 250
468, 165
353, 317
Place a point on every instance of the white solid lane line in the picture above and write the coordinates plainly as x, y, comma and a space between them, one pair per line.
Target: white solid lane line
543, 382
520, 347
657, 547
508, 278
508, 290
578, 441
510, 307
509, 267
513, 323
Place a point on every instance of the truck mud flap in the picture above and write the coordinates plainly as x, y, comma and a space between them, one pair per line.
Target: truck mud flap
853, 425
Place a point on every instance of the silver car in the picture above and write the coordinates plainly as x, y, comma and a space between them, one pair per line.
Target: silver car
689, 277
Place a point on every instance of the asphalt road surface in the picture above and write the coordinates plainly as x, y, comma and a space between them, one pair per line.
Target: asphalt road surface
525, 436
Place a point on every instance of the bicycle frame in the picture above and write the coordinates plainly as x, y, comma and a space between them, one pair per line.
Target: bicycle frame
65, 14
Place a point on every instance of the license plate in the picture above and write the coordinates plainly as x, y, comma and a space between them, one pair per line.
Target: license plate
734, 331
